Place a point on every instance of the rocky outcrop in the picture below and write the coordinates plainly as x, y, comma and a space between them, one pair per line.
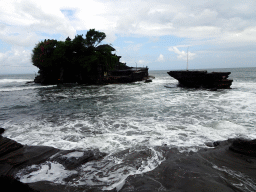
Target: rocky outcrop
202, 79
96, 76
15, 156
126, 76
9, 184
1, 131
224, 166
244, 146
220, 168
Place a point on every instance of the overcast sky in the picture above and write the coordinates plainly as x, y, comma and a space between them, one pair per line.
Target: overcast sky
153, 33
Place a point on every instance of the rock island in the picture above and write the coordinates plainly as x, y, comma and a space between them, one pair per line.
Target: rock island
82, 60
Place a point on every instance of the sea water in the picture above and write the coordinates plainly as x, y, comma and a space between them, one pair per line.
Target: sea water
124, 119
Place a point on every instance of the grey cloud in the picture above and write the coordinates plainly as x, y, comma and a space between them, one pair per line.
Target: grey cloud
28, 19
2, 26
180, 15
16, 60
49, 23
223, 23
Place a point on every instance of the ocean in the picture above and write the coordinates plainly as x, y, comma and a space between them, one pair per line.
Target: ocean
124, 118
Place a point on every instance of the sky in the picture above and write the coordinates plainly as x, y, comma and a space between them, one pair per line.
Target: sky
159, 34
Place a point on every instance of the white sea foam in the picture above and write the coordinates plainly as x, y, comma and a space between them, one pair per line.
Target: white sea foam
14, 80
75, 154
24, 88
48, 171
119, 134
110, 172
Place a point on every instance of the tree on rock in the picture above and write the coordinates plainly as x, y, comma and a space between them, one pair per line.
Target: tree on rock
80, 60
42, 53
94, 38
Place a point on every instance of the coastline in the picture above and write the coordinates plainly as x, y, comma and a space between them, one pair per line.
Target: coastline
149, 120
213, 169
210, 169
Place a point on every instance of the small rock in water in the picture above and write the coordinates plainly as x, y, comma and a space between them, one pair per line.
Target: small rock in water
148, 80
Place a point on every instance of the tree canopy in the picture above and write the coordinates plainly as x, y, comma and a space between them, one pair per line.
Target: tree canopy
82, 52
93, 38
78, 60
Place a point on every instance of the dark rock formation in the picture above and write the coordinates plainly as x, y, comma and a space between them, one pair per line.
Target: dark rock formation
9, 184
124, 75
2, 131
245, 147
202, 79
14, 157
213, 169
219, 168
74, 162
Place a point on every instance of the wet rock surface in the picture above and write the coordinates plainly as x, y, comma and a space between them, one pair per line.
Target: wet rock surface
9, 184
1, 131
222, 167
245, 147
15, 157
213, 169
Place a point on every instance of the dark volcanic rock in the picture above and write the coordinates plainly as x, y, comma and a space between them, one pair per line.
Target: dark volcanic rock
73, 162
14, 157
9, 184
243, 146
45, 186
8, 146
214, 169
202, 79
219, 168
2, 131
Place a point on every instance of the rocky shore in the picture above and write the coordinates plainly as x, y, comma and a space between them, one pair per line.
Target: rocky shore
229, 166
15, 156
224, 166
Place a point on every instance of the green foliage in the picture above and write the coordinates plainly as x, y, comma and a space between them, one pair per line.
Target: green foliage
41, 54
79, 44
93, 38
77, 53
61, 54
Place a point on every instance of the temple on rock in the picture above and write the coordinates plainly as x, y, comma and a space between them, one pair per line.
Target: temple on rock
82, 60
